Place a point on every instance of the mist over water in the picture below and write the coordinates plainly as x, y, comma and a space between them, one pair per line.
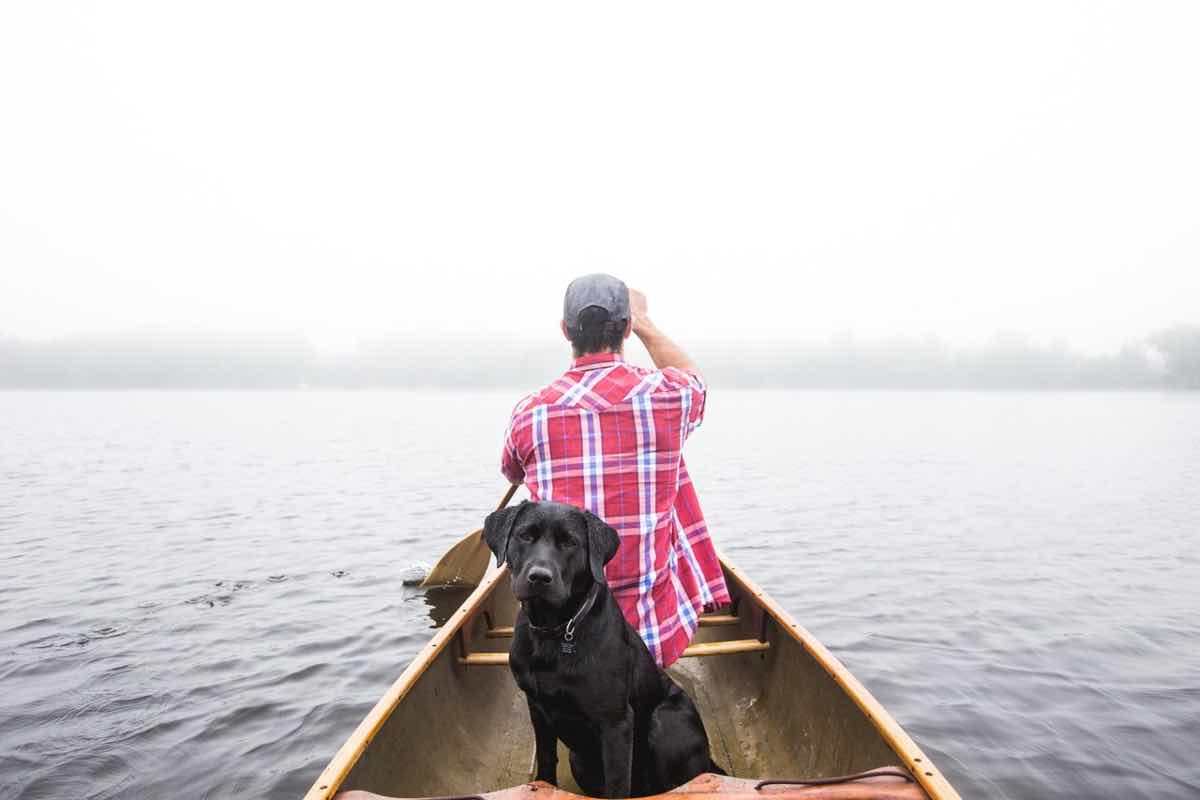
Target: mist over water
202, 590
1168, 358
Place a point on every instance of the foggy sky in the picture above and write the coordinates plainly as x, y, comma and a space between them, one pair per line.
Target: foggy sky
763, 171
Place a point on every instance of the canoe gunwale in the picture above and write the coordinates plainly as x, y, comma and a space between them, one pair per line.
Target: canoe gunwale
912, 758
331, 778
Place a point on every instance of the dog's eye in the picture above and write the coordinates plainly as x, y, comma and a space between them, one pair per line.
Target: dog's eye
565, 541
525, 535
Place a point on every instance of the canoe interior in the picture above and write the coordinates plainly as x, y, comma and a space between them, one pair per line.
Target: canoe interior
464, 729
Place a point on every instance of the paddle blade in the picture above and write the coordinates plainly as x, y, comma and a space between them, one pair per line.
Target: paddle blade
464, 564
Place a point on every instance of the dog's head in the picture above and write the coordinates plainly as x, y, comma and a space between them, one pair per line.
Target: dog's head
554, 551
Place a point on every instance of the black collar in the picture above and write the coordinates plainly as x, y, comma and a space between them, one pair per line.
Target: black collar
567, 629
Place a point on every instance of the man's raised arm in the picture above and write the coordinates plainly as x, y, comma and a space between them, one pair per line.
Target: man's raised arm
664, 352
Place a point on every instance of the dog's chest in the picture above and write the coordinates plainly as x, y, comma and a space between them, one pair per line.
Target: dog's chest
563, 706
574, 694
572, 718
552, 681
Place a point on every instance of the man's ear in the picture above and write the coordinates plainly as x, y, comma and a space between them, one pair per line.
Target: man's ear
603, 542
497, 527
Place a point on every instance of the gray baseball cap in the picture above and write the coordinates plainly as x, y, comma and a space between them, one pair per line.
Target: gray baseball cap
597, 289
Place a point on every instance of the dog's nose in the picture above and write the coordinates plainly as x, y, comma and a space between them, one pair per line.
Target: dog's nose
539, 575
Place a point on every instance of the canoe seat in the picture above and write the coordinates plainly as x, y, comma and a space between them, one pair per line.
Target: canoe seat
725, 648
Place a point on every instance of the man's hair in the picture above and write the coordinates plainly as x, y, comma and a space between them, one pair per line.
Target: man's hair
596, 333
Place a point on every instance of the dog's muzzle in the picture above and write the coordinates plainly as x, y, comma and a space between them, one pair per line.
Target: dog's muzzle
539, 582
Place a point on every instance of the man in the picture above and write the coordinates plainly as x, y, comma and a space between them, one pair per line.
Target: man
608, 437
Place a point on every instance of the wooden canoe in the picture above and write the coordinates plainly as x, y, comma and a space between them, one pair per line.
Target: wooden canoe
777, 705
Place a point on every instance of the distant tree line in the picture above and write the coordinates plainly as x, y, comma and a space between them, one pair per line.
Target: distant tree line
1166, 359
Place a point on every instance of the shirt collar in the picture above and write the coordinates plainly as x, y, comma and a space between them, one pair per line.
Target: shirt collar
596, 361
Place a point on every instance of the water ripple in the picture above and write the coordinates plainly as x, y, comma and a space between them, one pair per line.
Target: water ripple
206, 590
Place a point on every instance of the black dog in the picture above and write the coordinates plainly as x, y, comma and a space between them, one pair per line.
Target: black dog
588, 676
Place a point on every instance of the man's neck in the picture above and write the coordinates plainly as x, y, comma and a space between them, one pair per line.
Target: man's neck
595, 360
620, 353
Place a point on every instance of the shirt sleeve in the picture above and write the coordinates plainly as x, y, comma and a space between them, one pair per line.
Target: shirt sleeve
512, 465
510, 459
693, 392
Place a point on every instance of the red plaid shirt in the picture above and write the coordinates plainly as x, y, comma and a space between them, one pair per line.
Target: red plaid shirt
608, 437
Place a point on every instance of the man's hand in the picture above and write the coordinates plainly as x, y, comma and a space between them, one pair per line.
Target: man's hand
662, 350
638, 313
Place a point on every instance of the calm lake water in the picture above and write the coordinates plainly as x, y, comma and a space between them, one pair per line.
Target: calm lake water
200, 593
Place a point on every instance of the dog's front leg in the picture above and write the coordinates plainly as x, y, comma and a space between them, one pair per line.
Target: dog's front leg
546, 746
616, 750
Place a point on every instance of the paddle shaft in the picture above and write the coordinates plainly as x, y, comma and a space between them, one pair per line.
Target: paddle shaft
465, 563
512, 489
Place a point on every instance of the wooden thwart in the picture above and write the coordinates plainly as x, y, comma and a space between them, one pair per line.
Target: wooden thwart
709, 621
485, 660
693, 651
725, 648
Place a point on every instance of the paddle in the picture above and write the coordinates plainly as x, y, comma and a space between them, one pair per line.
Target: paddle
465, 563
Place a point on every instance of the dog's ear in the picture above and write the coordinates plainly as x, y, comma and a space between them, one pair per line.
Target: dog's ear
497, 527
603, 542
